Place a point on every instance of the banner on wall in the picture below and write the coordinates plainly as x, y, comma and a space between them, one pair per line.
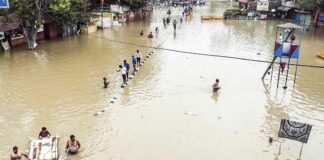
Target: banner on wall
263, 6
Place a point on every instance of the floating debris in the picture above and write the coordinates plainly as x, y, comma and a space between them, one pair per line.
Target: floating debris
191, 113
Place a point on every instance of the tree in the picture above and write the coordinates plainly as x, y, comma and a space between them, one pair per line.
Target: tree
32, 12
134, 4
311, 5
70, 12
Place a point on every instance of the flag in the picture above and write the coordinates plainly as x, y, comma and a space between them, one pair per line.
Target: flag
294, 130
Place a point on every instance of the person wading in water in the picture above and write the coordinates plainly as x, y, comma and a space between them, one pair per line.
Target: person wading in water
126, 65
134, 62
105, 82
216, 86
72, 146
150, 35
174, 25
123, 71
16, 155
138, 57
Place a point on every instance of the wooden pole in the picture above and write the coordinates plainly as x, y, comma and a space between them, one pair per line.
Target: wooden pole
102, 2
269, 67
271, 75
301, 150
295, 72
279, 73
285, 87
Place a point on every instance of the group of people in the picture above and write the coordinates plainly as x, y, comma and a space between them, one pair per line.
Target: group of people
124, 69
72, 147
150, 35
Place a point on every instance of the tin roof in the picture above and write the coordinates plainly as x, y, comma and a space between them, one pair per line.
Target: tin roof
289, 25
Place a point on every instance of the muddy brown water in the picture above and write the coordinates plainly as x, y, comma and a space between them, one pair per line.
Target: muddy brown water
59, 85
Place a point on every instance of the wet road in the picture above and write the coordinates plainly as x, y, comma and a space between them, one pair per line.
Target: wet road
59, 85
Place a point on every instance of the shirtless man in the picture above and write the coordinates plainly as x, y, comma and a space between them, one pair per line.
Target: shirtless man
72, 146
16, 155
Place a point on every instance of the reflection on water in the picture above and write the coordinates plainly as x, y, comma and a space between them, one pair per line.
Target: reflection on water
59, 85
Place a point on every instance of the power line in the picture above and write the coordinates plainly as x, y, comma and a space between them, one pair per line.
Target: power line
204, 54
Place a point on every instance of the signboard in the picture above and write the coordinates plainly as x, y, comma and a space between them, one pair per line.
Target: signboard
4, 3
294, 130
263, 5
125, 8
107, 15
114, 8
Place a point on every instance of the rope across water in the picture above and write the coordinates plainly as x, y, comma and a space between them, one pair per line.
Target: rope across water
204, 54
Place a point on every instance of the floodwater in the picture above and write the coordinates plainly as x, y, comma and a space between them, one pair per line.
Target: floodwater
168, 110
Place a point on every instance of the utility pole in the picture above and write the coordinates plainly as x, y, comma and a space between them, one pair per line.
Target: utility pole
102, 2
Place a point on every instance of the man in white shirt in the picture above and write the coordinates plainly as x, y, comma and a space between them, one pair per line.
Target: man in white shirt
138, 57
123, 71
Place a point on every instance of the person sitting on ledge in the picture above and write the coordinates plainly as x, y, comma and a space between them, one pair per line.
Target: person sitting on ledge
44, 133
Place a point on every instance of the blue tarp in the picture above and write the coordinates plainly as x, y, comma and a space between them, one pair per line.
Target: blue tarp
4, 3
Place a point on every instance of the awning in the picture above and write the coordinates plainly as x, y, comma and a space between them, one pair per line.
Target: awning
289, 25
284, 8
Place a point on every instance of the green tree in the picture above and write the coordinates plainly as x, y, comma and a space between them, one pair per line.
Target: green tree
31, 14
70, 12
134, 4
311, 5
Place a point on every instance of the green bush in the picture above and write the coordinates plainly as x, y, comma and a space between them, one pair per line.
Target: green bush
235, 11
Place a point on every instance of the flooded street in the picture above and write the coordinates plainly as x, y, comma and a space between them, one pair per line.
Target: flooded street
59, 85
